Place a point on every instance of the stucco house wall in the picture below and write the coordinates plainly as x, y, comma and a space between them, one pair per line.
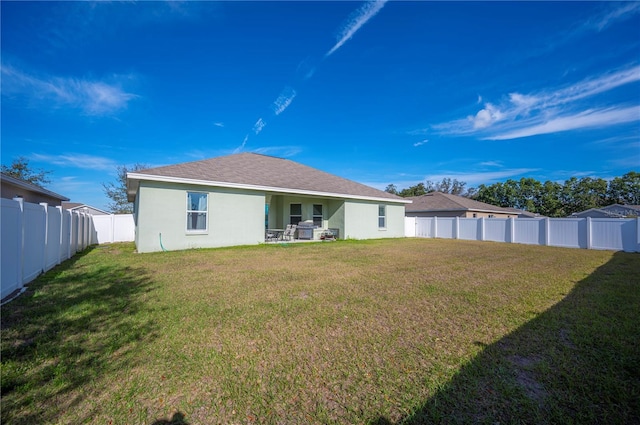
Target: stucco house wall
361, 220
161, 209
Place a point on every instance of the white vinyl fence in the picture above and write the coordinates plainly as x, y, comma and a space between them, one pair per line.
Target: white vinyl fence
114, 228
37, 237
588, 233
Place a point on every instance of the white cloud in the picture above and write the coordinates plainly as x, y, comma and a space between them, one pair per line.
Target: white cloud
487, 116
420, 143
585, 119
491, 164
355, 22
88, 162
281, 151
623, 11
481, 177
548, 111
218, 124
284, 100
258, 126
244, 143
92, 97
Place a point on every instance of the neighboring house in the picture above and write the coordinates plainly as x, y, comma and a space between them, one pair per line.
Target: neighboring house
610, 211
231, 200
438, 204
29, 192
523, 213
76, 206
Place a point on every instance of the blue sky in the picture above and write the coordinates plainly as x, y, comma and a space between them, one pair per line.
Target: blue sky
380, 93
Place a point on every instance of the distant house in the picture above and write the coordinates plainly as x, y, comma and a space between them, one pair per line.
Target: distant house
76, 206
231, 200
438, 204
12, 187
611, 211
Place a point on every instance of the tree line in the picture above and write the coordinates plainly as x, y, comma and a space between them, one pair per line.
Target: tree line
550, 199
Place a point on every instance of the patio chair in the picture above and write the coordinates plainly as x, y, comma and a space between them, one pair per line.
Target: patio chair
289, 232
271, 236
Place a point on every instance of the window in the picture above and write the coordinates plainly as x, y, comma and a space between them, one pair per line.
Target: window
196, 212
317, 215
295, 213
382, 216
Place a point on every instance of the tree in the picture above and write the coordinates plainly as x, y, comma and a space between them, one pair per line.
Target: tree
583, 194
416, 190
625, 190
21, 169
117, 191
391, 189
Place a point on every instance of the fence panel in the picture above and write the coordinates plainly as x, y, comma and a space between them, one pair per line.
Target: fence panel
446, 227
469, 229
11, 222
52, 247
614, 234
34, 238
123, 228
568, 232
529, 231
495, 229
424, 227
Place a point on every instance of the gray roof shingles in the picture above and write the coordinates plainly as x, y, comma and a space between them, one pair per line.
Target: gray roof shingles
267, 171
438, 201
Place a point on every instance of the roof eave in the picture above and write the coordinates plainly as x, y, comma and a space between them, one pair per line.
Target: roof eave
135, 179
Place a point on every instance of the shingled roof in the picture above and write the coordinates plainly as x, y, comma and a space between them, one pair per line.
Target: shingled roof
438, 201
259, 172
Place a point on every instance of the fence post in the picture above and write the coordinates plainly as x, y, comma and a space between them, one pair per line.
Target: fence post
547, 224
46, 235
588, 232
512, 229
481, 228
457, 228
60, 239
435, 227
638, 234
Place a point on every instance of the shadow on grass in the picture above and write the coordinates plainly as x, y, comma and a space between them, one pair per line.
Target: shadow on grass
578, 362
75, 324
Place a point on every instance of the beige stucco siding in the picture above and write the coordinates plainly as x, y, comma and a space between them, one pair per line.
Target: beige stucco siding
361, 220
234, 217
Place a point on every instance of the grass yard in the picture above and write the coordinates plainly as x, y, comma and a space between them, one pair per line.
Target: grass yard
405, 331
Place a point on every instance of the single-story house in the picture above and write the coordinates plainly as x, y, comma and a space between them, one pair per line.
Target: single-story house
77, 206
232, 200
12, 187
438, 204
610, 211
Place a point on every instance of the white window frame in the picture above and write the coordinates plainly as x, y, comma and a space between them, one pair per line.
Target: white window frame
383, 216
190, 211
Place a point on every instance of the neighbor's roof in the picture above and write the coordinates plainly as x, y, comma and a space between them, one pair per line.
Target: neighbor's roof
259, 172
438, 201
31, 187
79, 205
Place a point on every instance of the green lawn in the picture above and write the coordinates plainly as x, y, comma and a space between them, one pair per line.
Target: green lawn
388, 331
